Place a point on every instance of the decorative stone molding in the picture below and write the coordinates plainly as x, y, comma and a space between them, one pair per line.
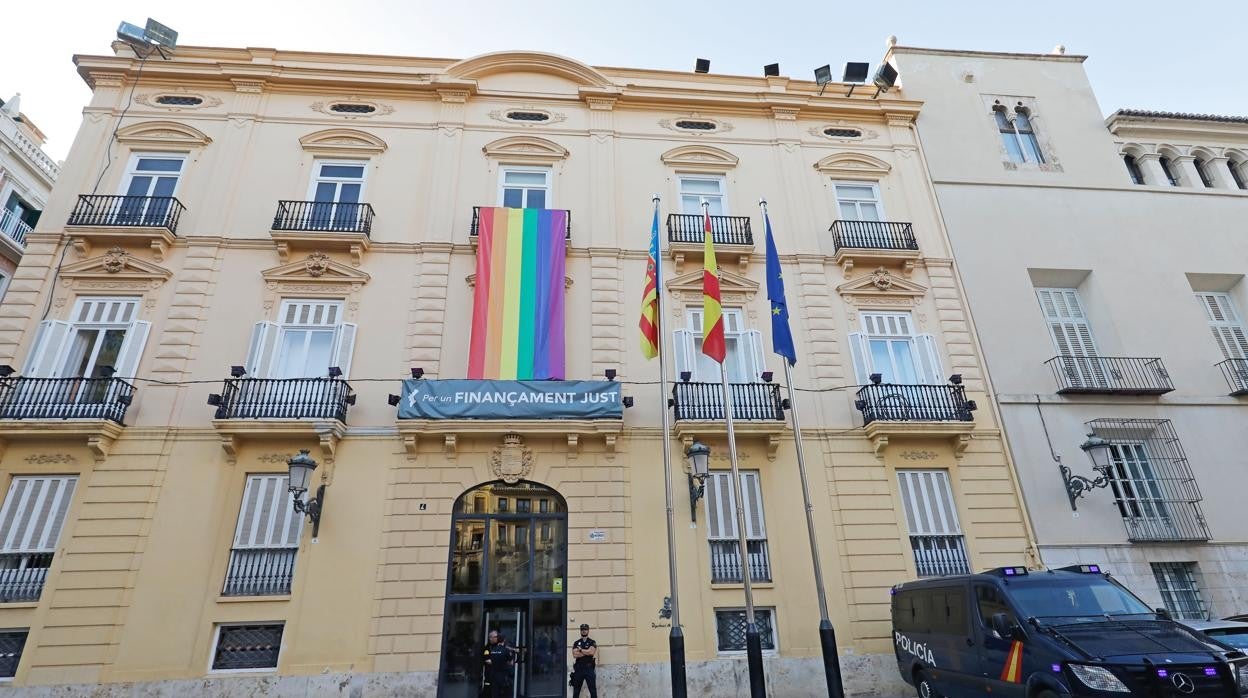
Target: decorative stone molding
686, 290
149, 99
853, 166
234, 433
162, 134
447, 432
512, 461
769, 431
318, 276
379, 109
720, 125
701, 158
113, 271
867, 134
525, 150
528, 62
50, 459
881, 288
882, 433
552, 117
97, 435
343, 141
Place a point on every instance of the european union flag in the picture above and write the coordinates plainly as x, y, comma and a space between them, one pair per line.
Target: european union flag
781, 335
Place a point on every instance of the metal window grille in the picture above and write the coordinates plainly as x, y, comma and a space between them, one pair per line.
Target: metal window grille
1152, 481
842, 132
179, 100
1179, 591
247, 647
696, 125
721, 528
349, 108
932, 519
730, 628
30, 526
12, 642
528, 116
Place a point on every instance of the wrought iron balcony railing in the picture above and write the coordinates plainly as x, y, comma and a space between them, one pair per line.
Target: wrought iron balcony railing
283, 398
873, 235
890, 402
725, 230
13, 227
1110, 374
323, 217
1236, 373
127, 211
705, 401
259, 572
65, 398
726, 561
476, 221
22, 576
936, 556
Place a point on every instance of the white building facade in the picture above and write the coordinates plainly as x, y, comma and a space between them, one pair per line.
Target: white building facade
1104, 262
26, 178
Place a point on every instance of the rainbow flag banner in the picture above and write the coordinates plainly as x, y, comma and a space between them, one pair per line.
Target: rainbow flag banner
517, 309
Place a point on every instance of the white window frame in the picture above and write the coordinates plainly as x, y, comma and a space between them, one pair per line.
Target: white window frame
133, 165
875, 193
317, 179
1011, 115
1225, 323
1134, 470
216, 638
748, 359
925, 350
775, 630
720, 181
54, 340
549, 187
265, 351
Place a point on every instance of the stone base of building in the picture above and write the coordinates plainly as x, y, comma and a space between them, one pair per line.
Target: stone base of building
866, 676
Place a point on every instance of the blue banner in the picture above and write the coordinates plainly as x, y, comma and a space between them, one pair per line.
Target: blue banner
500, 399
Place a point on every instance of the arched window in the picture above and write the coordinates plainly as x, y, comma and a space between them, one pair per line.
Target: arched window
1133, 169
1237, 173
1168, 167
1202, 169
1018, 135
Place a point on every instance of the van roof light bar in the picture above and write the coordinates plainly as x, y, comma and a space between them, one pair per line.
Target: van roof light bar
1082, 569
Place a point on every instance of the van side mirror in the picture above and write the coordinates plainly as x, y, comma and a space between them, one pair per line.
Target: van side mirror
1162, 613
1005, 629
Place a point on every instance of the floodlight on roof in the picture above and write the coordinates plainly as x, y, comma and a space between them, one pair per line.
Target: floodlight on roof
855, 74
160, 34
823, 76
885, 78
144, 40
702, 65
771, 70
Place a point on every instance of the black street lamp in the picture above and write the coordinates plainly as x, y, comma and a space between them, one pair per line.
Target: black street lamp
1098, 450
699, 455
301, 468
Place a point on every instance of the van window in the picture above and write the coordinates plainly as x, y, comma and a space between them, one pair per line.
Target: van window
1076, 597
952, 609
991, 601
910, 611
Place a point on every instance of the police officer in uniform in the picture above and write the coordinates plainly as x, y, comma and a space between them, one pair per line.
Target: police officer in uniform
499, 660
585, 650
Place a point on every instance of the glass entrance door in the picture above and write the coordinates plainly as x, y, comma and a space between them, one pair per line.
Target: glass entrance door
510, 621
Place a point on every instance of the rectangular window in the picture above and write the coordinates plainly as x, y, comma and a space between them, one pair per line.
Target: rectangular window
101, 338
1179, 591
12, 643
721, 527
1072, 337
730, 629
150, 183
251, 647
266, 539
888, 346
1228, 330
337, 188
1018, 135
503, 505
30, 527
932, 520
743, 349
858, 201
309, 338
525, 187
696, 189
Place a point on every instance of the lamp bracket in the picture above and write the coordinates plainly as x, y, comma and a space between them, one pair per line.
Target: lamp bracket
312, 508
1078, 485
697, 489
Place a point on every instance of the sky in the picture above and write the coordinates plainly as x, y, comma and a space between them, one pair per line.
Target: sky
1143, 54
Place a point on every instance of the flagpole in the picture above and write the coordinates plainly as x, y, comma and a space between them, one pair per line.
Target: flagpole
827, 634
753, 641
676, 636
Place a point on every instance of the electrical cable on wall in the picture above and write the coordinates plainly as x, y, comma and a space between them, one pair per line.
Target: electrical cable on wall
108, 153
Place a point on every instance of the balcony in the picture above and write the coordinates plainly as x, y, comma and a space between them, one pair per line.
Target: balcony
322, 225
874, 242
893, 411
937, 556
757, 409
1109, 375
111, 220
476, 223
14, 229
731, 234
726, 561
65, 398
260, 572
276, 408
1236, 373
22, 576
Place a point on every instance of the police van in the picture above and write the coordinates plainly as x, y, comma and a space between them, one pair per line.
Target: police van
1014, 633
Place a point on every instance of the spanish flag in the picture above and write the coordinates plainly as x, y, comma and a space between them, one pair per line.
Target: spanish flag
1013, 670
650, 296
712, 312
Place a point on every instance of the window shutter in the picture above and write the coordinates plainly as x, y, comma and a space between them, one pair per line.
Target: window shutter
721, 521
34, 513
859, 353
752, 341
1225, 324
752, 492
1072, 335
928, 502
46, 349
929, 359
345, 347
261, 350
682, 346
267, 518
132, 349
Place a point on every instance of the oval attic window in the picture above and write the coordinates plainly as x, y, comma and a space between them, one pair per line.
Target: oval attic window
179, 100
528, 116
842, 132
690, 125
352, 108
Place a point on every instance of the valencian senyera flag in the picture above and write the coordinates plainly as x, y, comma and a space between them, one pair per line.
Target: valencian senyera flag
517, 308
649, 322
781, 335
712, 312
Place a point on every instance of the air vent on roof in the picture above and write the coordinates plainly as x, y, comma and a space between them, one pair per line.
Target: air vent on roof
690, 125
842, 132
179, 100
352, 108
528, 116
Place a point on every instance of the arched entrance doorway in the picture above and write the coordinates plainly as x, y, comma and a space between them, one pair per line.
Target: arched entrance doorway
507, 572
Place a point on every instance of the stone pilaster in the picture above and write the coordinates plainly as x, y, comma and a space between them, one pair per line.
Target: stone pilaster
816, 297
602, 190
955, 332
426, 322
605, 293
448, 142
192, 293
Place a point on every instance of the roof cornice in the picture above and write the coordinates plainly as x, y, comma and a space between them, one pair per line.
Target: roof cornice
1057, 57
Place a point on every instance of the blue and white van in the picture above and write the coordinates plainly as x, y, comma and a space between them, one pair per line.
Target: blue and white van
1014, 633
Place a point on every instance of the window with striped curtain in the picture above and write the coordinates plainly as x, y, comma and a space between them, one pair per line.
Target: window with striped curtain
721, 528
1224, 322
1072, 336
30, 526
932, 520
266, 538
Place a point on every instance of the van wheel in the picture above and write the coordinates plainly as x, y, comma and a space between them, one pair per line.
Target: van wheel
925, 688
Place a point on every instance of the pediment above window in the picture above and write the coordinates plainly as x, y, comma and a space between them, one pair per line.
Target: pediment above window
734, 289
162, 134
700, 157
115, 270
343, 141
882, 288
525, 150
317, 273
853, 166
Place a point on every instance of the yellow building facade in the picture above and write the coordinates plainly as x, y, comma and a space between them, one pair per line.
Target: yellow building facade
261, 216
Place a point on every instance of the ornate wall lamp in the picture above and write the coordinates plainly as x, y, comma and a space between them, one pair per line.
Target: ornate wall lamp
699, 455
1098, 450
301, 468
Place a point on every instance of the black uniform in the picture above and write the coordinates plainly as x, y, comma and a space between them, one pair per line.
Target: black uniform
498, 672
583, 669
